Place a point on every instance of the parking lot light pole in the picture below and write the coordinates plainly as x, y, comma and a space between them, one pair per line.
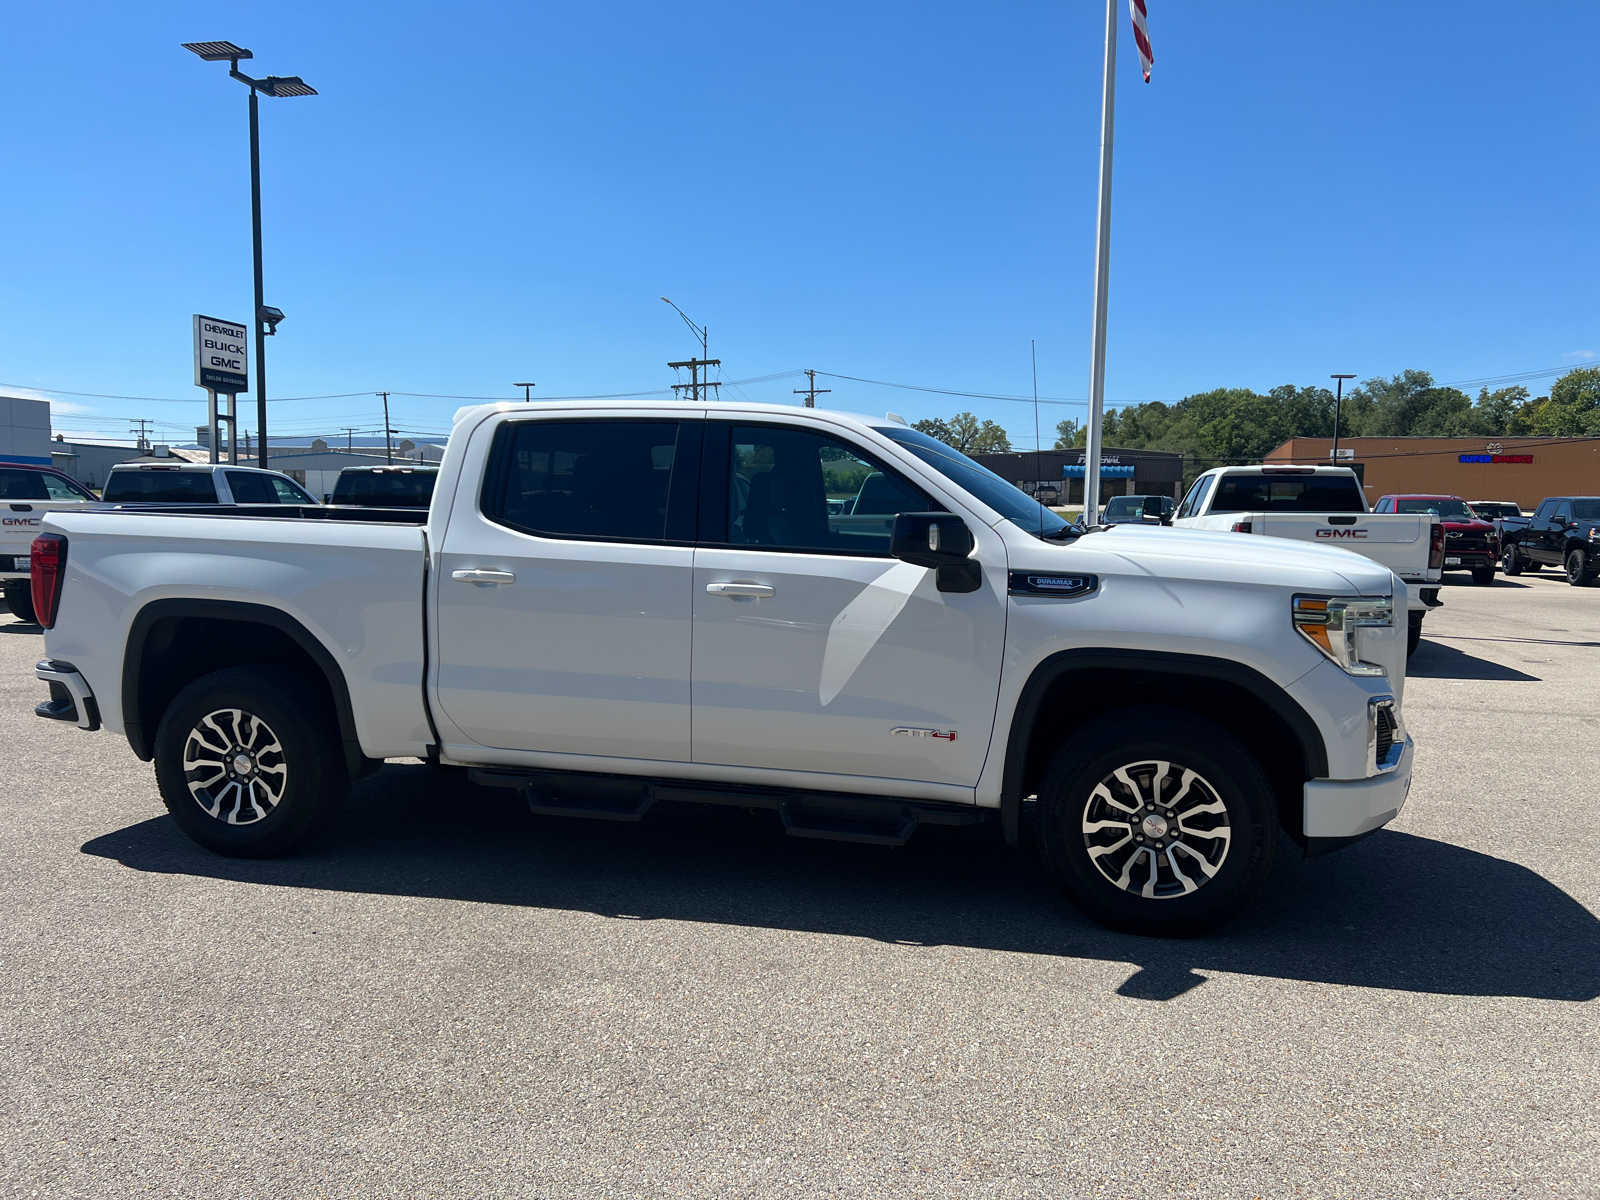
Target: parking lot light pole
266, 319
1338, 403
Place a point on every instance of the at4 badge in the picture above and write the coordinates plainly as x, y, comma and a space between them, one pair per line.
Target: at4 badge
948, 735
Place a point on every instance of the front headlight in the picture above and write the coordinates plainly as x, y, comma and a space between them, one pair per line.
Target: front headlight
1330, 622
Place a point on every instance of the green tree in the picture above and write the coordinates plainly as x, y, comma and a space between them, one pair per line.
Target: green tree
1070, 433
1571, 410
967, 434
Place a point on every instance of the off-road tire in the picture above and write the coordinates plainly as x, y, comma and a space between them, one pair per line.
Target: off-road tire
1580, 571
244, 707
19, 599
1510, 561
1077, 793
1483, 576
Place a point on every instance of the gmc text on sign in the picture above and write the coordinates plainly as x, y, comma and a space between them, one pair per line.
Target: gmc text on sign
221, 356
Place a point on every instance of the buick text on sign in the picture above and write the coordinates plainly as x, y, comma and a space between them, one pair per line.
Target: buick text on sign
221, 355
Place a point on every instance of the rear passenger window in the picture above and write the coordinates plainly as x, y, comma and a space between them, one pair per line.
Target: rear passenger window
603, 480
250, 489
22, 485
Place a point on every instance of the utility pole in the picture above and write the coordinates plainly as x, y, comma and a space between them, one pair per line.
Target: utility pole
811, 391
143, 443
388, 434
527, 391
696, 386
349, 437
1338, 403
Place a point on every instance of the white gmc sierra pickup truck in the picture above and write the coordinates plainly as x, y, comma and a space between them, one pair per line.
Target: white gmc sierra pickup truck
1326, 506
834, 617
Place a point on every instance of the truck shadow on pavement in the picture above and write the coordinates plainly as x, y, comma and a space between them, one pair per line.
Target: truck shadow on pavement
1434, 660
1395, 911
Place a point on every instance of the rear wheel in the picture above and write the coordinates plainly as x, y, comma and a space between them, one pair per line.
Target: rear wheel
1483, 576
1156, 821
1580, 569
1413, 633
19, 599
249, 762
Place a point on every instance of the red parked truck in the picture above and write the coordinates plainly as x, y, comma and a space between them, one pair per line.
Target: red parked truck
1470, 542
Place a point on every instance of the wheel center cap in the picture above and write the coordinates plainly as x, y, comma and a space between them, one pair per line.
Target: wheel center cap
1155, 825
242, 765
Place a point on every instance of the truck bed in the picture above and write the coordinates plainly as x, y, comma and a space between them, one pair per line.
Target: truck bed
350, 579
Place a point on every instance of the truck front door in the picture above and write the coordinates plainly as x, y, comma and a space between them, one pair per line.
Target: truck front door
814, 650
562, 607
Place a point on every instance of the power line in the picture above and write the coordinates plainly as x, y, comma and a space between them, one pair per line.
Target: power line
912, 387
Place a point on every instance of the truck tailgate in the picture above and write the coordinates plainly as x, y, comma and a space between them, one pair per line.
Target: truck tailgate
1399, 541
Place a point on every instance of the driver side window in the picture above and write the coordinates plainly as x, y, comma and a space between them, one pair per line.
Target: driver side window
792, 489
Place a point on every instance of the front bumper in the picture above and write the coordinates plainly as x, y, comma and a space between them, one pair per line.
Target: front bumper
1338, 812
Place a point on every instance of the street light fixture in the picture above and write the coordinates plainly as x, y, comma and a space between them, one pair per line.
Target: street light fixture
266, 318
527, 394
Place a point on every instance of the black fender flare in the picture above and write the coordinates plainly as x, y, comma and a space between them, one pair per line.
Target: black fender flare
142, 741
1313, 750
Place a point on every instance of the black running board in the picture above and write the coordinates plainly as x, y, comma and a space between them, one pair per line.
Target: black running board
835, 816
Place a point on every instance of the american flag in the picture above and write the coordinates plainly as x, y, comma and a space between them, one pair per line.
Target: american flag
1141, 35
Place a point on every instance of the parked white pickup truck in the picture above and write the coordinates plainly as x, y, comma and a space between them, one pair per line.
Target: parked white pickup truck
1323, 505
609, 606
27, 493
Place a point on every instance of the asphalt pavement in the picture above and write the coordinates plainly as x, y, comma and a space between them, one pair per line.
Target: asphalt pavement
452, 997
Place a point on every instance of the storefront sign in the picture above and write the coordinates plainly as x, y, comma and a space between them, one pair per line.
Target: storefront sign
1497, 458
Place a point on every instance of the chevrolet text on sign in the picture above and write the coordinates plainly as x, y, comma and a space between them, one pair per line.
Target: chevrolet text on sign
221, 360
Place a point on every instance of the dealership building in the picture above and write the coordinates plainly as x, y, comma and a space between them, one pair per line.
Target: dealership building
1122, 472
1523, 470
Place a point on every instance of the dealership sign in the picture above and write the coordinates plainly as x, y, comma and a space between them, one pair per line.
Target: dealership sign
221, 358
1497, 458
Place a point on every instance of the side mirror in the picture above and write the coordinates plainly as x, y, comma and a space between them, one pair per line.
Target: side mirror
941, 541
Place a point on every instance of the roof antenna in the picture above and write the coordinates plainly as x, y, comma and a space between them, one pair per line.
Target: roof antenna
1033, 349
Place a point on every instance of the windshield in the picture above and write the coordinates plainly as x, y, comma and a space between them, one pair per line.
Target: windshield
1014, 504
1586, 510
1444, 508
1490, 511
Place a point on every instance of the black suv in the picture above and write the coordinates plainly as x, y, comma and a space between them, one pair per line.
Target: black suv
1562, 533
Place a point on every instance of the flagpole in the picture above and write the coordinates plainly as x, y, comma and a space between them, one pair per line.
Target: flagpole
1102, 272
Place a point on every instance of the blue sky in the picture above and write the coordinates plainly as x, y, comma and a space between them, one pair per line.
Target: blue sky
485, 193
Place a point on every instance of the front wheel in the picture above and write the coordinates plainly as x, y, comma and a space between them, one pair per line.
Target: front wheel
19, 599
1510, 563
1483, 576
1580, 572
249, 762
1156, 821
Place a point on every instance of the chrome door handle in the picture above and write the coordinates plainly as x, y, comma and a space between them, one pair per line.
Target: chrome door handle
758, 591
483, 578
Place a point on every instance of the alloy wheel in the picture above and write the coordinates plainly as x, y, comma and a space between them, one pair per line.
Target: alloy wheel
234, 766
1156, 829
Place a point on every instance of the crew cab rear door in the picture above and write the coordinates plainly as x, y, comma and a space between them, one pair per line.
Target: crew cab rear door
562, 596
814, 650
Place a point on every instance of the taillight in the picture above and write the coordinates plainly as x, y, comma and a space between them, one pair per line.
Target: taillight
1436, 549
49, 571
1241, 527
